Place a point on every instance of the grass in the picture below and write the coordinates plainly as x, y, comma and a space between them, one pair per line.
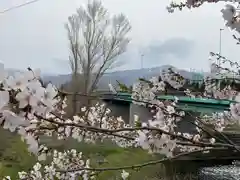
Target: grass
129, 157
14, 157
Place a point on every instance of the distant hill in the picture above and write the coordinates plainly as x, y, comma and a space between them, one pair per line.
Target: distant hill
127, 77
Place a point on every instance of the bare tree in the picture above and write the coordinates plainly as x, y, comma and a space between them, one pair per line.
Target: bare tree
96, 40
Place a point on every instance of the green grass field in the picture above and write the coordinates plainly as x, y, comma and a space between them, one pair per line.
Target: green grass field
14, 157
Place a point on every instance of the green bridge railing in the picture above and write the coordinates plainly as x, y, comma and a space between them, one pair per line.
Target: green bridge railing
204, 105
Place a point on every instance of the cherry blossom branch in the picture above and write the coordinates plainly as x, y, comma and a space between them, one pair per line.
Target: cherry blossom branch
205, 129
224, 59
84, 127
226, 139
113, 131
171, 134
137, 166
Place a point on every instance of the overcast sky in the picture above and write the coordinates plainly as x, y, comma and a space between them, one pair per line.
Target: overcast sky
35, 36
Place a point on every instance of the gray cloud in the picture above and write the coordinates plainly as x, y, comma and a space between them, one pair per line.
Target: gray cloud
35, 35
179, 48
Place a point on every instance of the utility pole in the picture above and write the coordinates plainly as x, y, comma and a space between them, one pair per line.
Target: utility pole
142, 55
220, 44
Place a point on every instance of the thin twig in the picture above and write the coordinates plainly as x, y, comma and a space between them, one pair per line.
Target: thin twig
136, 166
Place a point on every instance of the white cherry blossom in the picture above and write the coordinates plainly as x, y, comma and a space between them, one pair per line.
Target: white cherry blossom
125, 175
49, 94
29, 108
19, 81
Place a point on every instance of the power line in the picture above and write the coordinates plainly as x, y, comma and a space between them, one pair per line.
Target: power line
18, 6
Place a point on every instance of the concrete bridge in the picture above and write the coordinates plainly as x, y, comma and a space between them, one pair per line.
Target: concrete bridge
121, 105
